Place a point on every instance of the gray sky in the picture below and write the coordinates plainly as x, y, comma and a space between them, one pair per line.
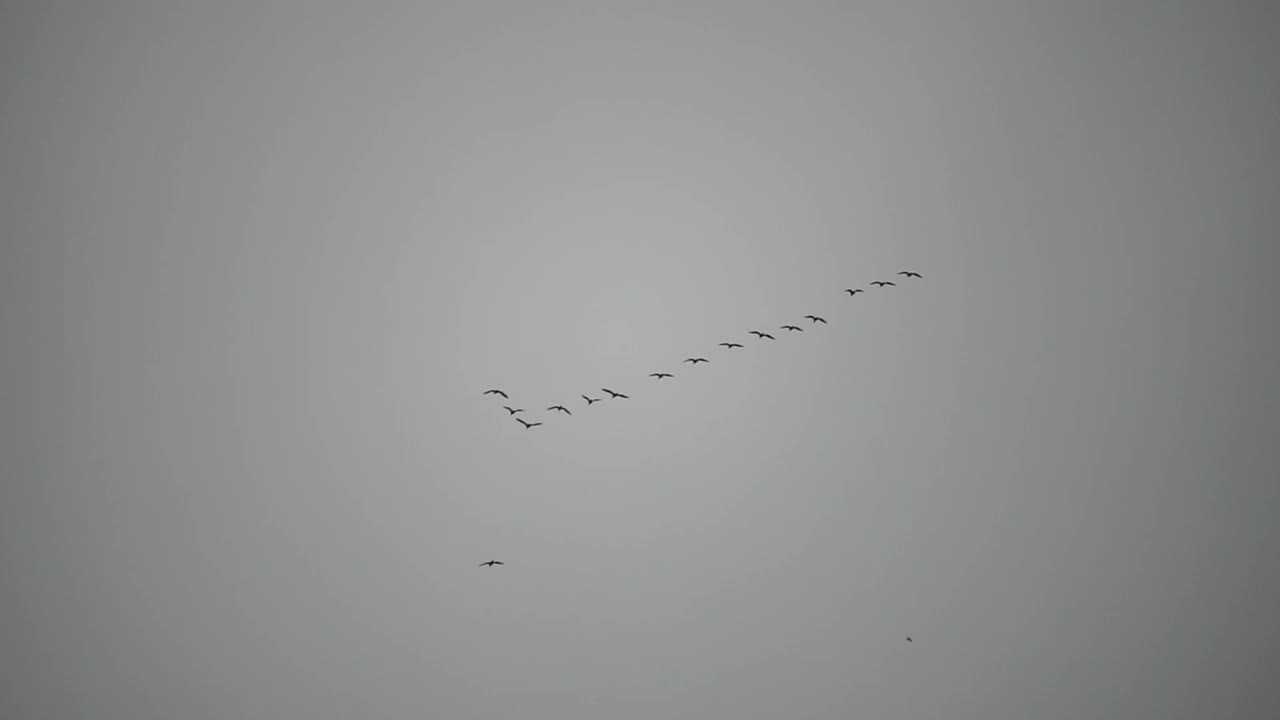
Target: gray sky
261, 259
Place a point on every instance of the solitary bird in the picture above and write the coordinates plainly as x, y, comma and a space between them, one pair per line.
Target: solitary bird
792, 328
695, 361
491, 563
495, 392
853, 291
660, 375
908, 639
908, 273
882, 283
615, 394
730, 345
590, 400
761, 335
561, 408
527, 425
511, 410
816, 319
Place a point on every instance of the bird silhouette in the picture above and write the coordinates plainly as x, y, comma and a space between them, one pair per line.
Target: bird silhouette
561, 408
791, 328
816, 319
590, 400
908, 639
730, 345
511, 410
882, 283
908, 273
615, 394
695, 361
491, 563
762, 335
527, 425
853, 291
495, 392
660, 375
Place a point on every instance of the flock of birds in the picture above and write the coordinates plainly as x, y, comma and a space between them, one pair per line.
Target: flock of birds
614, 395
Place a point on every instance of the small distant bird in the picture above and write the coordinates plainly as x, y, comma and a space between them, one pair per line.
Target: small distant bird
590, 400
908, 273
491, 563
730, 345
615, 394
511, 410
527, 425
695, 361
853, 291
791, 328
495, 392
908, 639
816, 319
882, 283
561, 408
660, 375
762, 336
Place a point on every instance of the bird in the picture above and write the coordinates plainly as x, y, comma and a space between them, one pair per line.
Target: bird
491, 563
908, 639
730, 345
495, 392
791, 328
527, 425
762, 335
615, 394
908, 273
511, 410
660, 375
561, 408
590, 400
853, 291
695, 361
816, 319
882, 283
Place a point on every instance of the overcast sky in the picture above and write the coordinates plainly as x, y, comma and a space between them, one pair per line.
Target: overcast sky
260, 260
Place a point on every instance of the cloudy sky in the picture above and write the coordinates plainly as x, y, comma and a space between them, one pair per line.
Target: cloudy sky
260, 259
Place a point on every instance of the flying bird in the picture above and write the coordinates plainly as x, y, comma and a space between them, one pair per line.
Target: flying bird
615, 394
527, 425
882, 283
590, 400
495, 392
816, 319
660, 375
491, 563
853, 291
730, 345
908, 273
761, 335
791, 328
511, 410
908, 639
695, 361
561, 408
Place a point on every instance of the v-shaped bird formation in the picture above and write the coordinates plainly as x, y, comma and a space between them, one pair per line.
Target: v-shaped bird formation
813, 319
